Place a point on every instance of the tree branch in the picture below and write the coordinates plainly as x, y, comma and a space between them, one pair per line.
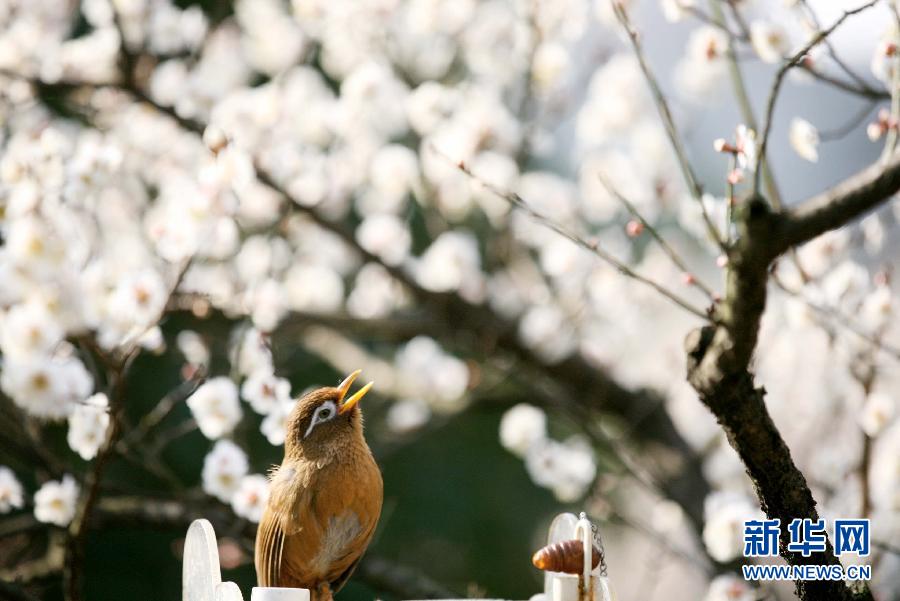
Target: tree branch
77, 532
841, 204
719, 356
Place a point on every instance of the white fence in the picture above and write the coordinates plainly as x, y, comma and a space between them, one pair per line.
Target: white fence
202, 575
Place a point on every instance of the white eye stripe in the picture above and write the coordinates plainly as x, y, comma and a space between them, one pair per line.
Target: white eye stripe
325, 412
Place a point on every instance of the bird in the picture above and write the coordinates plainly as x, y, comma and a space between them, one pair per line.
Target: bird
325, 498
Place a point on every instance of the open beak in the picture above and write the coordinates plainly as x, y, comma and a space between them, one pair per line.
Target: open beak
344, 388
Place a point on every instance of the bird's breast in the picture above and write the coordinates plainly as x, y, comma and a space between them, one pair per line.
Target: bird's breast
338, 537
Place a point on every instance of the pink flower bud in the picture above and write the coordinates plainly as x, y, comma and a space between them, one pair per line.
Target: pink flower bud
634, 228
874, 131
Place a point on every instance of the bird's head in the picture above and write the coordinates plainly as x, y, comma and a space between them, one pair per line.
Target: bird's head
326, 419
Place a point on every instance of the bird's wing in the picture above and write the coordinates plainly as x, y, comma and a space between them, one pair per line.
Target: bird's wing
269, 549
289, 488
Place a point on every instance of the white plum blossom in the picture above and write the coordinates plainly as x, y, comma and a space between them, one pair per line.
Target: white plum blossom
394, 172
386, 236
429, 105
522, 427
29, 329
274, 424
567, 468
215, 407
35, 247
723, 531
408, 415
676, 10
884, 59
223, 468
268, 304
46, 387
804, 138
314, 288
138, 299
617, 96
88, 425
878, 308
253, 353
250, 498
272, 39
55, 501
452, 262
704, 66
550, 64
425, 371
770, 41
12, 495
728, 587
375, 293
263, 390
546, 329
877, 413
193, 347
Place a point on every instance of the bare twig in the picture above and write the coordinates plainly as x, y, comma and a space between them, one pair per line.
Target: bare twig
18, 524
839, 84
832, 53
668, 250
840, 319
518, 202
174, 433
668, 122
841, 131
703, 17
401, 581
792, 62
49, 564
162, 409
13, 592
738, 18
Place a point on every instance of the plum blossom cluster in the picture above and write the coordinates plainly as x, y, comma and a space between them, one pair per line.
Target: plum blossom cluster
315, 175
225, 477
567, 468
55, 502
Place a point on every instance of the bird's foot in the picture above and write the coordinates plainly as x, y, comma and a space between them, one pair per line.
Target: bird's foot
322, 593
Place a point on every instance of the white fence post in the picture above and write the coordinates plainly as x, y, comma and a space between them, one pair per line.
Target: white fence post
202, 575
200, 572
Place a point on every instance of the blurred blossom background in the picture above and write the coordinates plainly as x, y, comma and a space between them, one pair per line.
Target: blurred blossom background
209, 207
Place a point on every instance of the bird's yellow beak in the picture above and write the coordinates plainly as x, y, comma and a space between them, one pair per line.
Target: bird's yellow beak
344, 388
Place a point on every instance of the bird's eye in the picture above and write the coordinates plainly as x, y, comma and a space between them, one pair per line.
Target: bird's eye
324, 413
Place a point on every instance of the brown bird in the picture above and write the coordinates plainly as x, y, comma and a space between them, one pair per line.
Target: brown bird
325, 496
